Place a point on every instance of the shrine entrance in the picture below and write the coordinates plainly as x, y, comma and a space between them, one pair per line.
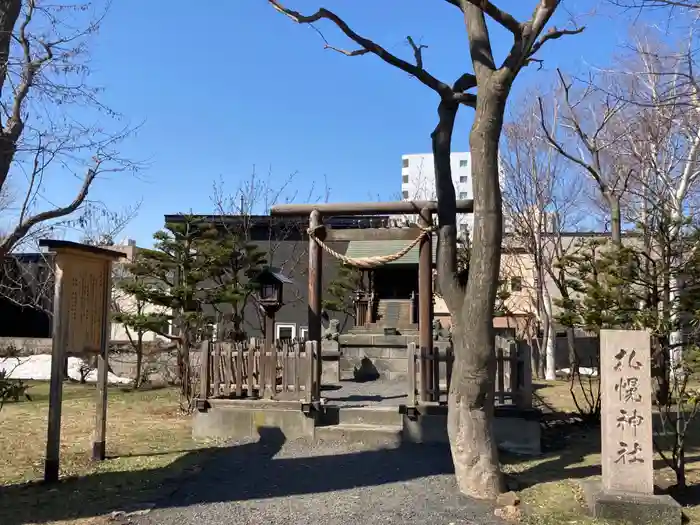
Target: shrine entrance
395, 312
383, 381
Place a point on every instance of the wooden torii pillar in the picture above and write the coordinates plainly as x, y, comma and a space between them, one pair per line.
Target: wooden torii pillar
81, 326
316, 212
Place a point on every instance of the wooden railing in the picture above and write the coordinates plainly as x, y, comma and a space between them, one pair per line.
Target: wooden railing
430, 373
248, 370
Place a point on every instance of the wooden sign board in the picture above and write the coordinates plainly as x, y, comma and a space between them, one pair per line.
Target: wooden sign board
82, 297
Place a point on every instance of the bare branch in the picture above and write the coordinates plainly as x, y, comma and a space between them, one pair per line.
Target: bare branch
553, 34
498, 15
417, 51
366, 44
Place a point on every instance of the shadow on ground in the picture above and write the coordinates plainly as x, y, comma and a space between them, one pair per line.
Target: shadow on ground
233, 473
570, 446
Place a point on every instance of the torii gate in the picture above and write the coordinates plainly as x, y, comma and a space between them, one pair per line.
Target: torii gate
318, 235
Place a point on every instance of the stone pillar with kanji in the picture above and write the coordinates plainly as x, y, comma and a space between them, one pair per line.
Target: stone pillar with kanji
627, 448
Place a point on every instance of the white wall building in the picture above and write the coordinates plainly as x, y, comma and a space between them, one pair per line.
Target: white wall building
127, 303
418, 181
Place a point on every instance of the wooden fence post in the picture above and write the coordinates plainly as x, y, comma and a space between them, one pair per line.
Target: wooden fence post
205, 356
216, 372
450, 361
435, 368
311, 348
253, 368
525, 397
500, 372
411, 374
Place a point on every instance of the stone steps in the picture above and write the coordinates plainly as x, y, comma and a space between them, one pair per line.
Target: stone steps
380, 416
394, 312
388, 436
379, 426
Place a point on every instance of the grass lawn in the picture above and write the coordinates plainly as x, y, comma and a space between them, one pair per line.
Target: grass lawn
148, 445
551, 493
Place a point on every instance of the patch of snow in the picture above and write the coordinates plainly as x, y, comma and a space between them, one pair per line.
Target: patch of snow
583, 370
38, 367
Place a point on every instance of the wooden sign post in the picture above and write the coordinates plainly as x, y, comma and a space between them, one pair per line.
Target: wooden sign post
81, 325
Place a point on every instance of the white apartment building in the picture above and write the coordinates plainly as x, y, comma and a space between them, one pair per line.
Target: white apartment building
418, 181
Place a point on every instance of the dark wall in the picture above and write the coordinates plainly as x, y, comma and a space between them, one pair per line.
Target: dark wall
292, 257
26, 296
286, 242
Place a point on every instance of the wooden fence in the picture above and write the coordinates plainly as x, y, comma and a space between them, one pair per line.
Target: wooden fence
429, 374
249, 370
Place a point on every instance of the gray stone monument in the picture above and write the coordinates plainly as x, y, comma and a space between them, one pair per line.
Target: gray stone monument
627, 459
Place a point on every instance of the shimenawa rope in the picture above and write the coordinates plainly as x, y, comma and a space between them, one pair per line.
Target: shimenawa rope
377, 260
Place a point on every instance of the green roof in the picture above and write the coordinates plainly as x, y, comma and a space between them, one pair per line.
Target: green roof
362, 249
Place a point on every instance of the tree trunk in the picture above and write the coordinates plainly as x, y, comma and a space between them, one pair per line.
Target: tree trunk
551, 347
9, 13
184, 367
139, 360
573, 355
680, 471
471, 396
542, 350
615, 218
535, 352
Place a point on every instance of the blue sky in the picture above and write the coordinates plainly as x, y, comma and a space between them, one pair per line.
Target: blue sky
235, 84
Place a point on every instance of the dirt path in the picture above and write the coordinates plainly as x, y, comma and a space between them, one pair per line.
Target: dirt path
326, 484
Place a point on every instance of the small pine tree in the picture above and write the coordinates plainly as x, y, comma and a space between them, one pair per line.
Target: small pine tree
194, 270
171, 276
234, 262
136, 316
341, 289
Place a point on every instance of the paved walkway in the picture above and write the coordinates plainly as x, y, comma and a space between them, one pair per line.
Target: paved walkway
297, 483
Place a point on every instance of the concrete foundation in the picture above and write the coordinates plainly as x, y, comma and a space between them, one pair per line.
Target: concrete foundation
515, 431
236, 420
388, 353
640, 509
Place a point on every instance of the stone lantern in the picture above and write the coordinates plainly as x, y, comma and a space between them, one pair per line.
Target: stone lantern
270, 282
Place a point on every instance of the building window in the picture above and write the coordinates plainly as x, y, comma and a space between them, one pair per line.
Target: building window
285, 331
463, 163
405, 163
464, 179
304, 333
463, 195
405, 194
516, 284
405, 179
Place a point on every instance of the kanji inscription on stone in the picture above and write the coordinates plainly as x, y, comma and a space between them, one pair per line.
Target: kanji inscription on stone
625, 374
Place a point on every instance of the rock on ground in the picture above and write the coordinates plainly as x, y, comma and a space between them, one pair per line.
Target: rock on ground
299, 483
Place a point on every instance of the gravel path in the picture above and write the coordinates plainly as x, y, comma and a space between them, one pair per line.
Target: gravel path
323, 484
370, 393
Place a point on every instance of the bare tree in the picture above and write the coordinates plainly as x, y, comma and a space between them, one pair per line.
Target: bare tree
471, 394
30, 283
239, 208
590, 129
98, 226
44, 67
665, 148
657, 4
541, 199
